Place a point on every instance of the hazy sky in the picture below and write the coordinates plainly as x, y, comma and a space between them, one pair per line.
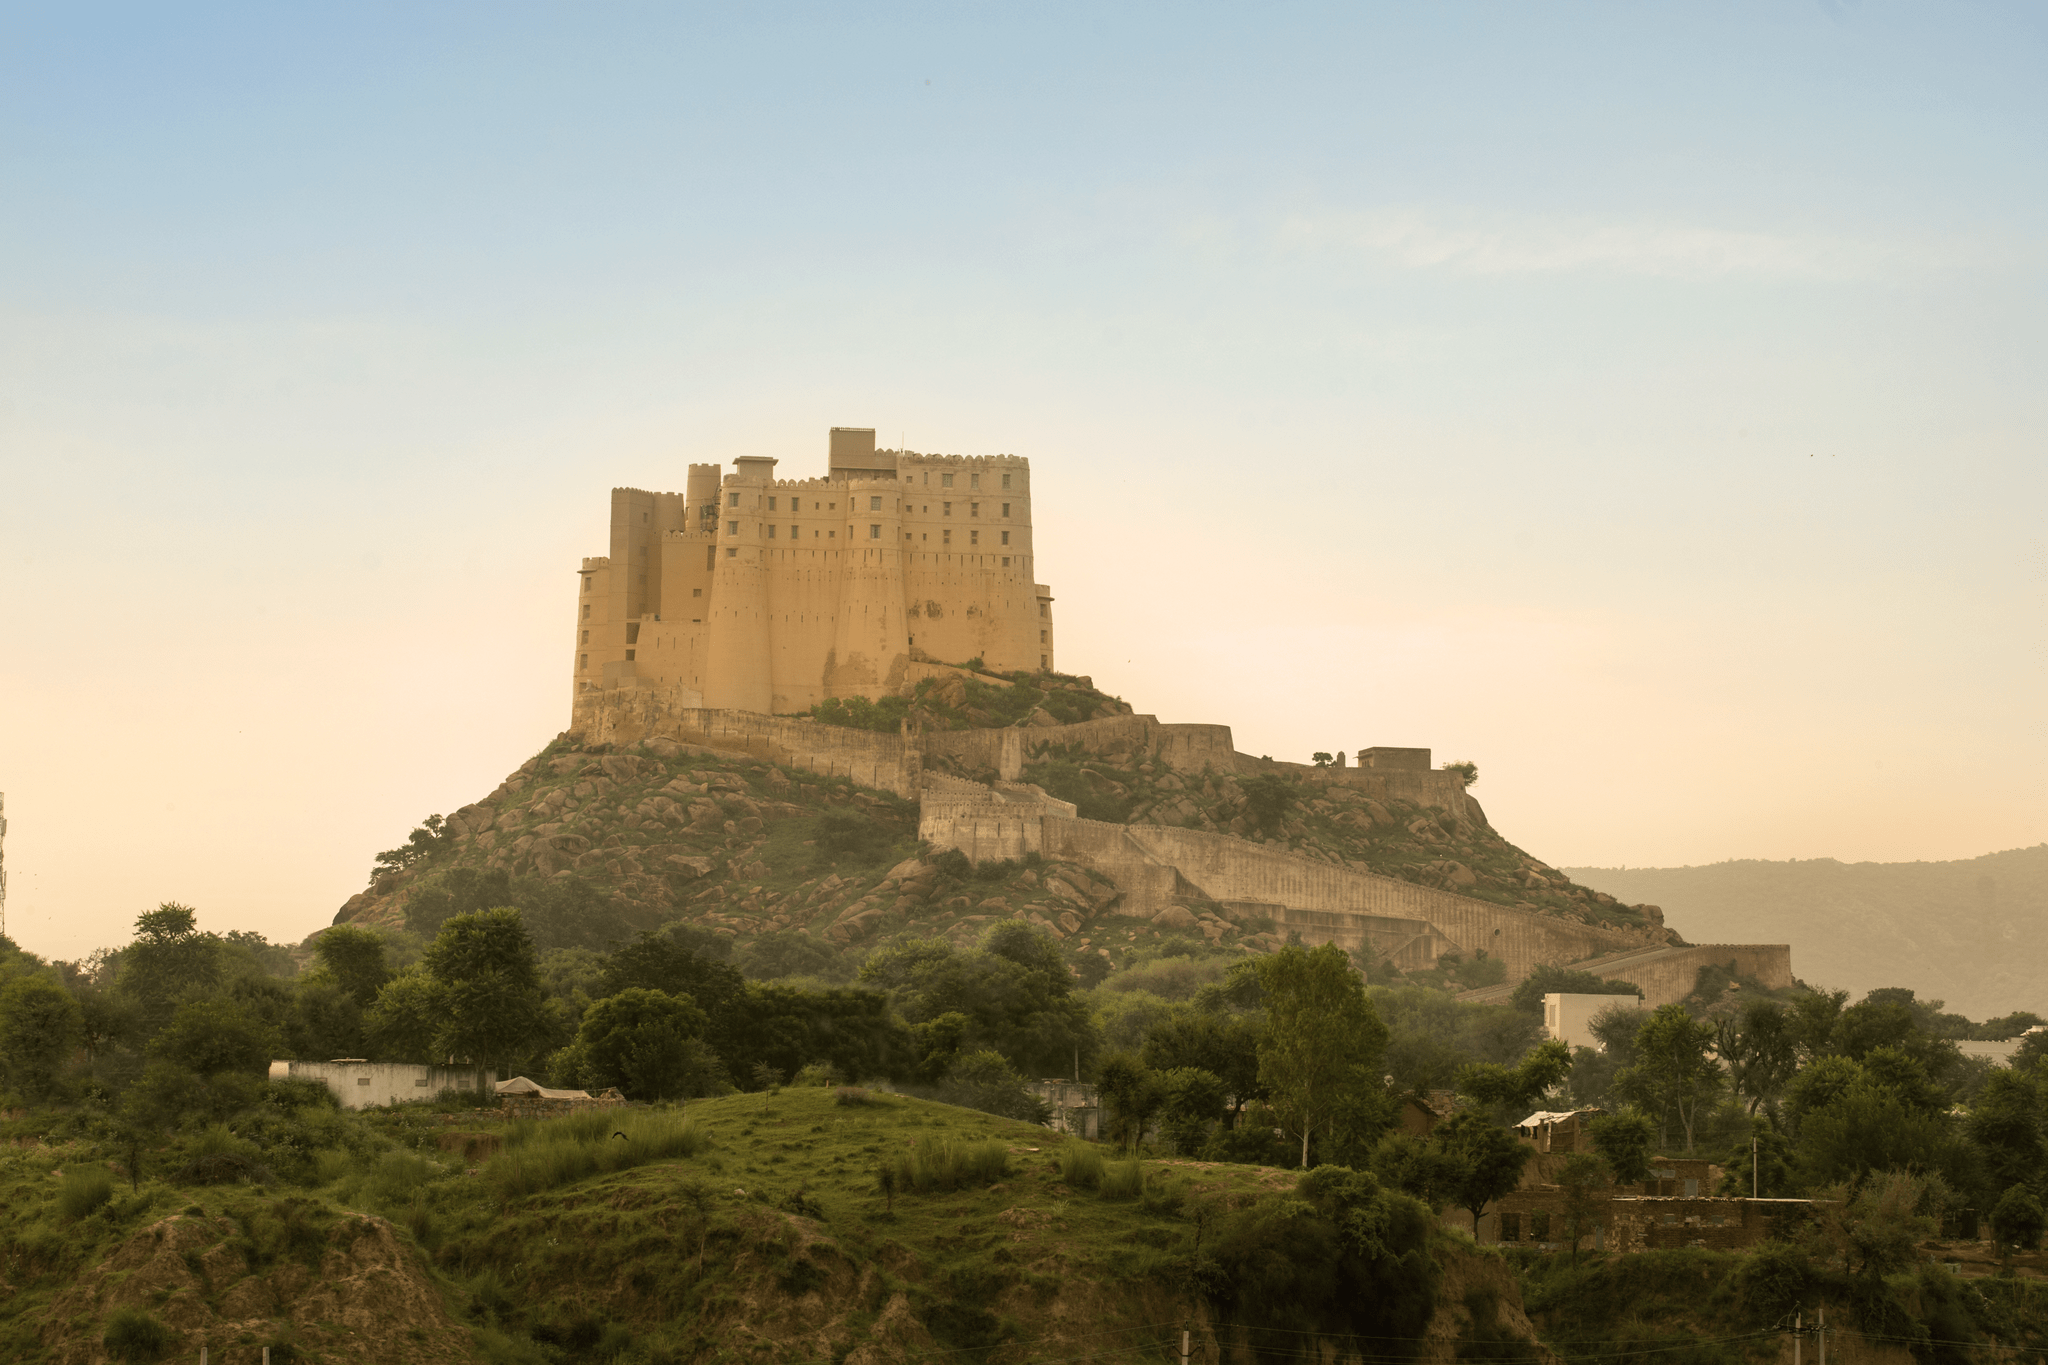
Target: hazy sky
1644, 402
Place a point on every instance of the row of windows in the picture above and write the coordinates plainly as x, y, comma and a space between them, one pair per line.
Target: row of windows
732, 500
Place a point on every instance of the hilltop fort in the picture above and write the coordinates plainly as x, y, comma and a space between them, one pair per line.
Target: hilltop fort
881, 628
754, 593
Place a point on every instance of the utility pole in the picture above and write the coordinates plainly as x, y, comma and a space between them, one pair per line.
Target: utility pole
1822, 1334
1798, 1335
1183, 1346
1752, 1167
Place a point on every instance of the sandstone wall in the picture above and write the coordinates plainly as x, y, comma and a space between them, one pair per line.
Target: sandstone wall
885, 762
1668, 977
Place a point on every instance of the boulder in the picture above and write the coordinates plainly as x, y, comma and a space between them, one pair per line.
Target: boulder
1175, 917
688, 867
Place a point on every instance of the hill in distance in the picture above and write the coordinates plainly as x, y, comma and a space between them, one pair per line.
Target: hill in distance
1972, 932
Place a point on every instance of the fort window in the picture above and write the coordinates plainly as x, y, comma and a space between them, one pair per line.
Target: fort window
586, 638
629, 656
1539, 1226
945, 480
874, 504
586, 611
945, 509
874, 532
586, 582
1006, 484
584, 662
945, 537
732, 553
794, 533
1041, 661
1006, 537
1006, 561
1006, 509
974, 537
632, 632
1041, 637
732, 500
732, 528
1511, 1227
696, 592
973, 509
1044, 609
974, 480
771, 530
771, 504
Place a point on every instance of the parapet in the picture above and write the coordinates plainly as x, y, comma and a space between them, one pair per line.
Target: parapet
1406, 760
596, 562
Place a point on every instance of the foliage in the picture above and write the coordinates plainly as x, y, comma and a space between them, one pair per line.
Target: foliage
1267, 799
1080, 1164
1013, 994
85, 1190
1760, 1048
1418, 1168
1545, 979
986, 1081
2017, 1221
354, 956
39, 1026
1872, 1229
1584, 1179
1675, 1072
1224, 1046
1520, 1086
639, 1040
1320, 1056
168, 959
214, 1035
1625, 1141
1131, 1094
1464, 768
427, 838
935, 1165
133, 1334
490, 992
550, 1153
858, 713
1487, 1158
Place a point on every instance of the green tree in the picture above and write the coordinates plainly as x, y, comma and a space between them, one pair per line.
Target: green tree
1676, 1071
1522, 1085
354, 957
168, 960
2005, 1123
404, 1023
494, 1007
1014, 989
1545, 979
1324, 1041
1267, 799
1191, 1104
1489, 1160
639, 1040
1583, 1179
1131, 1093
1464, 768
986, 1081
215, 1035
1224, 1045
2017, 1221
1760, 1046
1417, 1167
1872, 1229
39, 1029
1624, 1140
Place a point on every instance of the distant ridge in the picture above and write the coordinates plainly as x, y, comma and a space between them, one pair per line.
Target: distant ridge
1973, 932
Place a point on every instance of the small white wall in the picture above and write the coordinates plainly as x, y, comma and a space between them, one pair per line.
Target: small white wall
364, 1085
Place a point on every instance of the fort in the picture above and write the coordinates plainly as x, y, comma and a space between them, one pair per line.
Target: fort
761, 594
724, 613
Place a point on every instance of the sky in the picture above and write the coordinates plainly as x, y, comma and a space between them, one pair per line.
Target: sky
1642, 402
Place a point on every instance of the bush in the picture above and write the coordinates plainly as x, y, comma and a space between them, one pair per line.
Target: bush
86, 1189
556, 1152
850, 1095
932, 1166
1080, 1165
1123, 1179
133, 1334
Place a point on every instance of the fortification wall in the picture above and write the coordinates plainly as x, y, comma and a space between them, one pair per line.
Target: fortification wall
1190, 748
1669, 977
628, 715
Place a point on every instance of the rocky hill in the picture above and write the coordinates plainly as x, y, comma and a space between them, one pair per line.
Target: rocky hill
599, 841
1971, 932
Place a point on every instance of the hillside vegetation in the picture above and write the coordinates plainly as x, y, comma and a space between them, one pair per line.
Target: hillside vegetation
1972, 932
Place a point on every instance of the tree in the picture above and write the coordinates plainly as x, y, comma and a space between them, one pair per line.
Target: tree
215, 1035
1489, 1160
2005, 1123
1676, 1072
1873, 1229
2017, 1221
39, 1027
425, 840
1321, 759
403, 1022
1014, 990
1267, 799
1522, 1085
639, 1040
170, 958
986, 1081
1624, 1141
1464, 768
494, 1008
1546, 979
354, 957
1131, 1093
1191, 1103
1323, 1042
1760, 1046
1417, 1167
1584, 1177
1226, 1046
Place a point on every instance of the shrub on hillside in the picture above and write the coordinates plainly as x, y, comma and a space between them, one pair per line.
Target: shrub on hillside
85, 1190
550, 1153
935, 1166
133, 1335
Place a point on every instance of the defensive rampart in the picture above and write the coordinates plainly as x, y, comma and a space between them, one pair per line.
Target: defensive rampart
885, 762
